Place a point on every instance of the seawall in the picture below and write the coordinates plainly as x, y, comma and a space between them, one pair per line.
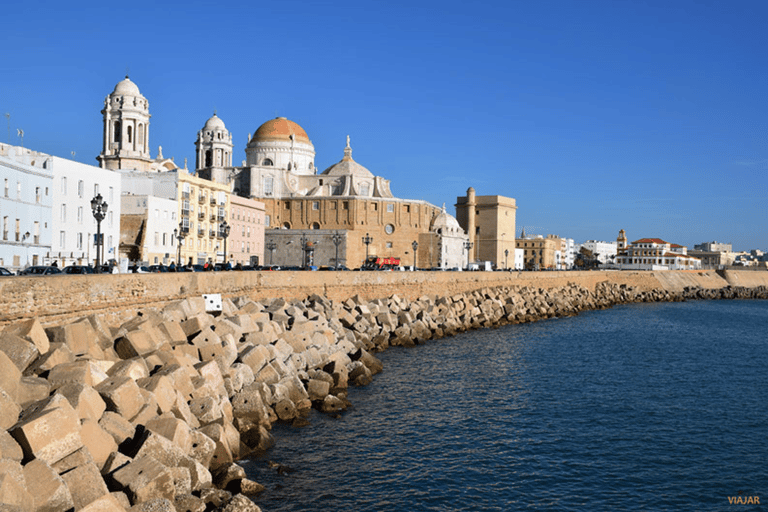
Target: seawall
53, 299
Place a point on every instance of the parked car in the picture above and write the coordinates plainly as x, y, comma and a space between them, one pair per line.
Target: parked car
40, 270
5, 272
222, 266
158, 268
138, 269
77, 269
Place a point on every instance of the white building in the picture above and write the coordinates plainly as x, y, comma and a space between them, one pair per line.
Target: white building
73, 225
656, 254
154, 236
605, 252
25, 207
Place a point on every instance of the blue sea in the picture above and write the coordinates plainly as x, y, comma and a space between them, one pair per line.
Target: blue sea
639, 407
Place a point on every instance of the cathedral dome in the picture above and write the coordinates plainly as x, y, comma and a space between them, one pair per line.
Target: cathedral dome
126, 88
214, 123
445, 223
348, 167
281, 129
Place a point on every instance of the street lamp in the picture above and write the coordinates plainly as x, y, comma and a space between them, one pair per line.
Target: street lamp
180, 234
26, 246
336, 238
307, 250
506, 258
367, 240
415, 246
271, 246
99, 208
468, 247
224, 229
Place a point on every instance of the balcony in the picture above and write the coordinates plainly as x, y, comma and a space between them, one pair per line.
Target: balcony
200, 232
201, 215
201, 198
212, 233
213, 201
213, 217
220, 217
185, 212
185, 195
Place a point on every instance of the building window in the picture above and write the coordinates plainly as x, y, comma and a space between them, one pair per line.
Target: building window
63, 213
364, 189
37, 194
266, 220
287, 205
95, 190
345, 205
80, 241
6, 187
390, 208
267, 162
63, 185
268, 184
315, 205
62, 239
79, 214
80, 188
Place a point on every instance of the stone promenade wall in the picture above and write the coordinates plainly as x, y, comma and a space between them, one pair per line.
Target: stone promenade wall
53, 299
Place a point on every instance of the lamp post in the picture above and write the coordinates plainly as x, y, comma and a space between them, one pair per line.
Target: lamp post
99, 208
468, 247
180, 234
24, 238
224, 229
506, 258
271, 246
415, 246
367, 240
336, 238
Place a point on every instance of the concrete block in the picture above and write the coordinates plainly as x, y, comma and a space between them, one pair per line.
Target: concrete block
145, 479
181, 376
267, 375
244, 322
223, 453
50, 435
48, 489
80, 457
203, 448
135, 368
318, 389
182, 480
14, 496
101, 328
206, 409
9, 448
78, 336
31, 330
58, 353
148, 411
32, 389
22, 352
211, 372
257, 357
86, 401
182, 411
162, 388
175, 430
155, 505
118, 427
195, 324
10, 410
136, 343
106, 503
99, 442
85, 484
82, 371
122, 396
10, 376
189, 503
173, 332
241, 503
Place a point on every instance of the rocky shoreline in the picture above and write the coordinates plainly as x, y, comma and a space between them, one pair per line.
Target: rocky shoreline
154, 414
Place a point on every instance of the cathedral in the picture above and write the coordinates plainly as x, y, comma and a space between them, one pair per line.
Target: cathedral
338, 216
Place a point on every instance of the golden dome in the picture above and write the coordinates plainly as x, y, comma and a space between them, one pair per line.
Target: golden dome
281, 128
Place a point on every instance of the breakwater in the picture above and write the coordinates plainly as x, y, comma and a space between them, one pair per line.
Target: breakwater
55, 299
153, 413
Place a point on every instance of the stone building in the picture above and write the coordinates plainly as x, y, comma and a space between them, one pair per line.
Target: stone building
540, 252
347, 198
490, 223
656, 254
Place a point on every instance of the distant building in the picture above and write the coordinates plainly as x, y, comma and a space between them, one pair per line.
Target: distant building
605, 252
656, 254
246, 237
713, 247
25, 206
490, 223
539, 253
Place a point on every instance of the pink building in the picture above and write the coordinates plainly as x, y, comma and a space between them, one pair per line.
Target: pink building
246, 236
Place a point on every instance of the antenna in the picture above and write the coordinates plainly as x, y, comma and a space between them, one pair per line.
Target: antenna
73, 154
20, 133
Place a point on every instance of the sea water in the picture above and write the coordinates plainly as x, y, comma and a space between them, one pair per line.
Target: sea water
640, 407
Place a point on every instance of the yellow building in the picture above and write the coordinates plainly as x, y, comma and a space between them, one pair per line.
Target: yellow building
539, 253
490, 223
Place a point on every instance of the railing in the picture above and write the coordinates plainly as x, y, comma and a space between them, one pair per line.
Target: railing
213, 217
201, 198
212, 233
201, 215
185, 212
201, 232
213, 200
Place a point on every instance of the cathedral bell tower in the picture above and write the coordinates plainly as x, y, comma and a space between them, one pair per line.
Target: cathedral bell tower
214, 151
126, 129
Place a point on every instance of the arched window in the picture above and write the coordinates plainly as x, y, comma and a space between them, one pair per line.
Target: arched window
129, 134
208, 158
267, 162
140, 134
116, 132
286, 225
315, 225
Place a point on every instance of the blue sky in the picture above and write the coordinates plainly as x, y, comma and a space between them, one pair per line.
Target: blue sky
595, 116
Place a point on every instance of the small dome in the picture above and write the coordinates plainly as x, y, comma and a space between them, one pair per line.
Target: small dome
281, 128
446, 222
214, 123
348, 167
126, 88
